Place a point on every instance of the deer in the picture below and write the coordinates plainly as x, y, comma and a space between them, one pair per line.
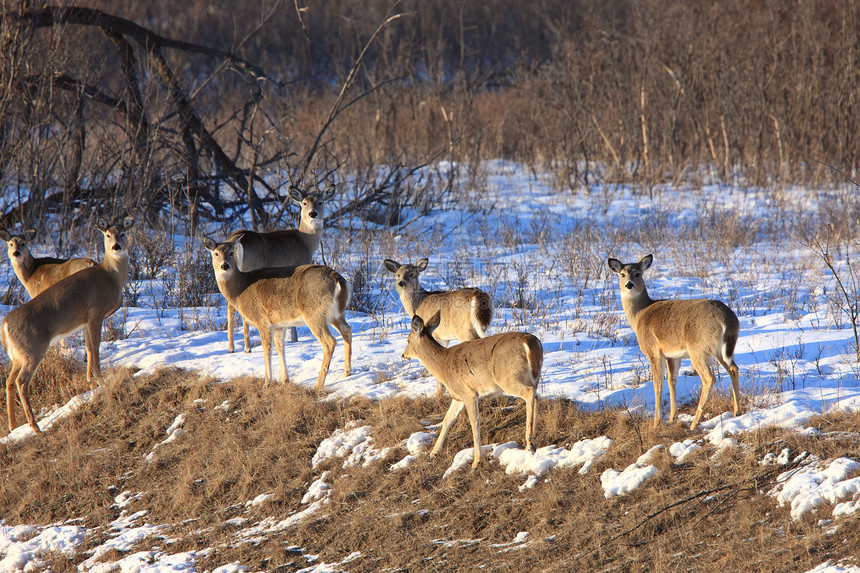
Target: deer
81, 301
508, 363
465, 313
273, 299
284, 248
671, 330
38, 273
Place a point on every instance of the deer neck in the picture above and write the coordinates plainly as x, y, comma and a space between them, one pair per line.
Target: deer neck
232, 285
433, 357
24, 268
411, 299
116, 266
634, 304
311, 234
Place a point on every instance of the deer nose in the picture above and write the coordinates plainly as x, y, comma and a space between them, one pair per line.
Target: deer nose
629, 285
401, 284
403, 356
116, 247
225, 267
16, 254
312, 214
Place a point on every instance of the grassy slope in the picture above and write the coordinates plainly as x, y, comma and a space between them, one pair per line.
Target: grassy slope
708, 514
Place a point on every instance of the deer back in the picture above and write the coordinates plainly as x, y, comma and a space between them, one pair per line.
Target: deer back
465, 313
65, 307
286, 248
290, 296
48, 271
503, 363
674, 326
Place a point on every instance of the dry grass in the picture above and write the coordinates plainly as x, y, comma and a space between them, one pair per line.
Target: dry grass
240, 440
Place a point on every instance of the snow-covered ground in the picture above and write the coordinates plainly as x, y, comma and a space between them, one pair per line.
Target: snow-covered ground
795, 354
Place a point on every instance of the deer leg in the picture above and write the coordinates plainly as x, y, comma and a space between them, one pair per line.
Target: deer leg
93, 338
657, 376
231, 323
453, 411
475, 421
531, 418
23, 383
266, 342
345, 331
279, 346
703, 368
294, 334
245, 335
672, 367
10, 394
732, 369
323, 334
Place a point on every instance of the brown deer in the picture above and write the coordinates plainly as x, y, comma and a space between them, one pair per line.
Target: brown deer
276, 298
80, 301
508, 363
671, 330
465, 313
38, 273
285, 248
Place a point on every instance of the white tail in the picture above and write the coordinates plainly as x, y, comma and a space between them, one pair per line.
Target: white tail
670, 330
465, 313
508, 363
286, 248
38, 273
274, 299
80, 301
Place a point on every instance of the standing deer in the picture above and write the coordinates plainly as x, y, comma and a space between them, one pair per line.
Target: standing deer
465, 313
276, 298
81, 301
671, 330
508, 363
38, 273
286, 248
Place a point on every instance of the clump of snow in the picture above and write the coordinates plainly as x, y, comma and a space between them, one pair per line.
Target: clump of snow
828, 567
518, 461
319, 489
681, 450
23, 551
420, 442
816, 484
352, 442
173, 433
617, 483
260, 500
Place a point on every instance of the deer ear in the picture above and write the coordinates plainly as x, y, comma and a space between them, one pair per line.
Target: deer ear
434, 321
101, 225
128, 222
646, 262
328, 193
421, 264
297, 194
615, 265
392, 266
5, 235
417, 323
209, 244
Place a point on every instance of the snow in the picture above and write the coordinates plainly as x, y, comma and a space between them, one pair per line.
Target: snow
795, 363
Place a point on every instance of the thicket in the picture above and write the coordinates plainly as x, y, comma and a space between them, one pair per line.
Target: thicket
212, 108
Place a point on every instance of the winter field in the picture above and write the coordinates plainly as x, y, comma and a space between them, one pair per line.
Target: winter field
542, 255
